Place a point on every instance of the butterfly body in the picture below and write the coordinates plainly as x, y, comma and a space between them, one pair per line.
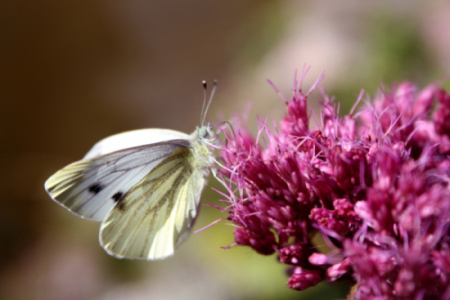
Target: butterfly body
144, 185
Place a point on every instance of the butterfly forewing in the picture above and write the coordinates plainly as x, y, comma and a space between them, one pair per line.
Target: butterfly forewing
157, 213
91, 187
134, 138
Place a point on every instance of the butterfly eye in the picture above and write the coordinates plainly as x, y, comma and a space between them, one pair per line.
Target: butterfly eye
204, 133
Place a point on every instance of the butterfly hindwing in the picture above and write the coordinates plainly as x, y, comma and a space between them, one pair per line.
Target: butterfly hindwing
91, 187
157, 213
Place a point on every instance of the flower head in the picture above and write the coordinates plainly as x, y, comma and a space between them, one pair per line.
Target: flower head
373, 183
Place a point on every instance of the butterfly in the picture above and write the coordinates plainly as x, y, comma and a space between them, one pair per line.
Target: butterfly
143, 185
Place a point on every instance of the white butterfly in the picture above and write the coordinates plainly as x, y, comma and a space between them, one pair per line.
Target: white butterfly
144, 185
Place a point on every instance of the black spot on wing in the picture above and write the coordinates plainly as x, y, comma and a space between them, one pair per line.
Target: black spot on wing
117, 196
95, 188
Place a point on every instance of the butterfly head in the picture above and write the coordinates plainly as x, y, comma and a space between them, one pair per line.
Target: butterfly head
205, 132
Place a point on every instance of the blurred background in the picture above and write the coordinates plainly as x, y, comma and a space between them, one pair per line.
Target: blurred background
74, 72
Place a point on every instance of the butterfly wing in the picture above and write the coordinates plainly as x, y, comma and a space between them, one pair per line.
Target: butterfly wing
91, 187
134, 138
158, 212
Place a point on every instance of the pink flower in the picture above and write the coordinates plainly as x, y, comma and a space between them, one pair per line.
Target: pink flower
374, 183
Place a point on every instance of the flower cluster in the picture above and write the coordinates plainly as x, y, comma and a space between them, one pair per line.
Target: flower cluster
374, 184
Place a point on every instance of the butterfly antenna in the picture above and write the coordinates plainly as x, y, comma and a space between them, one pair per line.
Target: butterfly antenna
204, 101
209, 101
